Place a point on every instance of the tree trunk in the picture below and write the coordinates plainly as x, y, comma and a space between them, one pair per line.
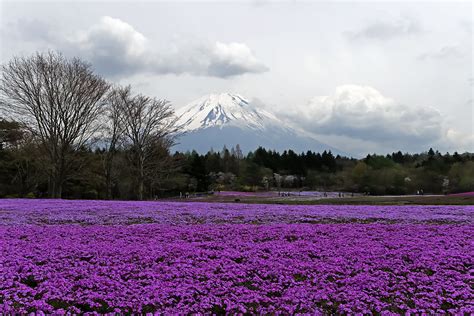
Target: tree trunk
59, 189
140, 188
108, 185
51, 186
141, 178
108, 178
56, 185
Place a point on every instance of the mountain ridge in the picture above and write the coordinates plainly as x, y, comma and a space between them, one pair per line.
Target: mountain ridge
215, 120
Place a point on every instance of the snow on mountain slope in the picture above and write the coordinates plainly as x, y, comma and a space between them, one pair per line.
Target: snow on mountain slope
226, 109
215, 120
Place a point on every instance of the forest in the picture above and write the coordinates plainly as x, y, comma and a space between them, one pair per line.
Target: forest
24, 171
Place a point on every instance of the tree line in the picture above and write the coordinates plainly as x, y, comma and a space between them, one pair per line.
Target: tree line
67, 132
396, 173
108, 172
60, 109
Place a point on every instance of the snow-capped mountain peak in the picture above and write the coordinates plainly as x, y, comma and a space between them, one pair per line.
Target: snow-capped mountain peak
215, 120
224, 109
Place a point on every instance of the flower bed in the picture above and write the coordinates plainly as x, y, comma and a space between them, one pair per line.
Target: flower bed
53, 212
467, 194
141, 257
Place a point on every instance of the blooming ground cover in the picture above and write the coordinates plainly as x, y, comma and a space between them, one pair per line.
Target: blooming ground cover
99, 257
467, 194
29, 211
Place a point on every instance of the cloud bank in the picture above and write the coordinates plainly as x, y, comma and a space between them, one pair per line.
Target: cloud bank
116, 48
363, 114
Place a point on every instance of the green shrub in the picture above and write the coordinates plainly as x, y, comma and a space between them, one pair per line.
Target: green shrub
30, 195
11, 196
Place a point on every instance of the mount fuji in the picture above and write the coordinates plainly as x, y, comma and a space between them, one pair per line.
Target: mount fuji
215, 120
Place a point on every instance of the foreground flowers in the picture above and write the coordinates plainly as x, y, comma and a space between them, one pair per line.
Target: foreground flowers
88, 256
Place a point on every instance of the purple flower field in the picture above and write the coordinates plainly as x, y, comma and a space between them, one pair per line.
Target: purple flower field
143, 257
53, 212
467, 194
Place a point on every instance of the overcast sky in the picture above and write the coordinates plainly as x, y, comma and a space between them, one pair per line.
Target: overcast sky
361, 76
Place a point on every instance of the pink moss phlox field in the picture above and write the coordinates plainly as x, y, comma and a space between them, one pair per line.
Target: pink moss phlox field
143, 257
25, 211
466, 194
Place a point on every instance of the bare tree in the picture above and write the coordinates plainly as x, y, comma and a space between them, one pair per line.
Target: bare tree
59, 99
149, 124
113, 130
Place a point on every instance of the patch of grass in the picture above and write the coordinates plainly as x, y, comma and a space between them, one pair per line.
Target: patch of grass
357, 200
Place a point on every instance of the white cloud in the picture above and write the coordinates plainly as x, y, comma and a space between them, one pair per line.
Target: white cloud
117, 48
452, 51
113, 32
363, 114
29, 31
233, 59
459, 141
387, 29
113, 46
